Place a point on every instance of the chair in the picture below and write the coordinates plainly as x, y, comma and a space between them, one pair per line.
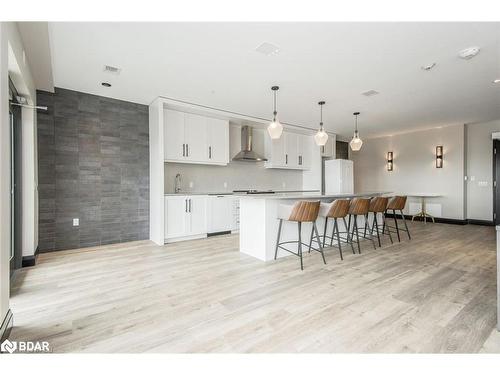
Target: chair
300, 212
378, 205
397, 204
338, 209
359, 207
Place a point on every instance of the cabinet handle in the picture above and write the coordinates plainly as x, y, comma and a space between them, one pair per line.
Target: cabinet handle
286, 158
186, 208
300, 160
183, 149
189, 205
210, 152
187, 149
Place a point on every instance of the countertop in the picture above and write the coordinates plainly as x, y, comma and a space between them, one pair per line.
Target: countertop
277, 192
309, 195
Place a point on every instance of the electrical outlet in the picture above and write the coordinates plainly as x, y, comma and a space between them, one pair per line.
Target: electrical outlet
191, 184
76, 222
225, 185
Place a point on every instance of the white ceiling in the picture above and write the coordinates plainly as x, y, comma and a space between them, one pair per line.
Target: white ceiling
215, 64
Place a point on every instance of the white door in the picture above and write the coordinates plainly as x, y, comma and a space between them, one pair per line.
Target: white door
176, 217
218, 141
173, 135
196, 137
291, 154
197, 212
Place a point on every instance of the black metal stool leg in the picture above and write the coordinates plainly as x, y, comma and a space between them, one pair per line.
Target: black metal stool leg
311, 239
383, 228
376, 228
366, 222
347, 234
300, 244
396, 222
319, 242
371, 237
357, 233
278, 239
336, 227
406, 226
324, 231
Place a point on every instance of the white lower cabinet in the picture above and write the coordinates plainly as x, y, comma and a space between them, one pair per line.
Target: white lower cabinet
223, 213
185, 217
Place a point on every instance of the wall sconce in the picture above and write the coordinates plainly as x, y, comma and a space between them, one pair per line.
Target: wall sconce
439, 156
389, 161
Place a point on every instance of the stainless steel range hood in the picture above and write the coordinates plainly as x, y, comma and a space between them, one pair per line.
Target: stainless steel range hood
246, 153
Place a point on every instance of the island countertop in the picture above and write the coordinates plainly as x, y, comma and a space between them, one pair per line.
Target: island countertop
312, 195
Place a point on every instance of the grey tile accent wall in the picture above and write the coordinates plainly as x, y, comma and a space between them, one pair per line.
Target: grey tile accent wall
93, 164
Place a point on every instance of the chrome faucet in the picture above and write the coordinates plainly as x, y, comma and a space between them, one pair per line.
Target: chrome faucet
178, 182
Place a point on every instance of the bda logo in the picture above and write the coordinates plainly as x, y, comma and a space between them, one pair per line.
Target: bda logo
8, 346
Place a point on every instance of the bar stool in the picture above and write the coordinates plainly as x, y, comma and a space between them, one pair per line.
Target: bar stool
397, 204
338, 209
378, 205
300, 212
359, 207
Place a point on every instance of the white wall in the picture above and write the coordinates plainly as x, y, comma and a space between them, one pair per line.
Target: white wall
13, 63
414, 167
480, 169
4, 172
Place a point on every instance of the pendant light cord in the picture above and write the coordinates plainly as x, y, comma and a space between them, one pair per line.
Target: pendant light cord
275, 112
321, 117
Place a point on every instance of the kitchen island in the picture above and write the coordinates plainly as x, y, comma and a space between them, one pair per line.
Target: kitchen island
259, 220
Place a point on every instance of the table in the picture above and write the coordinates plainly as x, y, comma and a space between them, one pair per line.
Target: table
423, 213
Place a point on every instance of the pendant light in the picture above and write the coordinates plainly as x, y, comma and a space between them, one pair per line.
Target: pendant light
275, 128
321, 137
356, 142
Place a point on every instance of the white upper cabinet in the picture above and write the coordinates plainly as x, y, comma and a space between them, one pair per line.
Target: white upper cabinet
328, 150
290, 151
190, 138
218, 141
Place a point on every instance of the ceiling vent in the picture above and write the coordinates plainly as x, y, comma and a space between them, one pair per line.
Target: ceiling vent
112, 69
268, 49
370, 93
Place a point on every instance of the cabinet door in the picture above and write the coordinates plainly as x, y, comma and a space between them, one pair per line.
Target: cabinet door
173, 135
197, 207
218, 141
175, 217
277, 152
291, 155
196, 137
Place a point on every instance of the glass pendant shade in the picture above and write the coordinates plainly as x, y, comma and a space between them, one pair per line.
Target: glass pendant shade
356, 142
275, 129
321, 137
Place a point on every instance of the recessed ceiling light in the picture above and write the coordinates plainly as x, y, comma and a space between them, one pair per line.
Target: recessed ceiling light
268, 49
496, 80
428, 67
106, 84
468, 53
370, 93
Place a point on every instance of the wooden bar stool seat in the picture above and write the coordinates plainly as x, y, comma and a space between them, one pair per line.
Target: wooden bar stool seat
300, 212
397, 203
378, 205
336, 210
359, 207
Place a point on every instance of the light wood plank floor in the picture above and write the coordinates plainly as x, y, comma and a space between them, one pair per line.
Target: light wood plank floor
435, 293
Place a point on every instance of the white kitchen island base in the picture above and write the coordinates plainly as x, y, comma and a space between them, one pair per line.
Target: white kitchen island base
259, 222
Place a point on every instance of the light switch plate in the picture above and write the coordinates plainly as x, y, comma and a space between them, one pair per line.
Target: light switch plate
76, 222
